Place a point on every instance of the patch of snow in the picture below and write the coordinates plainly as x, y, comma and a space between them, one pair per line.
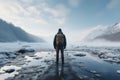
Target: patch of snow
118, 71
4, 75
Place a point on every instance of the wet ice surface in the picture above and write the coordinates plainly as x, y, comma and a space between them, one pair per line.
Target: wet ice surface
80, 64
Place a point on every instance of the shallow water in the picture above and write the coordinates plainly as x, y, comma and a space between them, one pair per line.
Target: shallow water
108, 71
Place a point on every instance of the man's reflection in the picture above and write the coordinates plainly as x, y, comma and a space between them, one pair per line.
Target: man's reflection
60, 75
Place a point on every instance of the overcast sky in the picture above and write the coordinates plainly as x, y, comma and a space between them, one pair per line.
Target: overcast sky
75, 17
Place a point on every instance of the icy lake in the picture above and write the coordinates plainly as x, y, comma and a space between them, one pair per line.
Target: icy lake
91, 63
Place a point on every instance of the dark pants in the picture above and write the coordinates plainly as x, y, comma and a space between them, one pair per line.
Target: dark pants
59, 48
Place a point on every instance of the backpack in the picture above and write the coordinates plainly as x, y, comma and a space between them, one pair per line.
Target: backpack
59, 39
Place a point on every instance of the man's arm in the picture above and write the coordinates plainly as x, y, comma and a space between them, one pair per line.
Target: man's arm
54, 42
65, 42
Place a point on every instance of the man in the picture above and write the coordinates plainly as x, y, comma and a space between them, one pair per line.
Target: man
59, 44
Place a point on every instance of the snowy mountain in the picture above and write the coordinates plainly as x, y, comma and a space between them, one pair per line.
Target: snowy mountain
11, 33
113, 29
108, 33
96, 31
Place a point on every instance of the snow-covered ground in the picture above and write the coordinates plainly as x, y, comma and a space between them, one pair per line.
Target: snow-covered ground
9, 51
17, 60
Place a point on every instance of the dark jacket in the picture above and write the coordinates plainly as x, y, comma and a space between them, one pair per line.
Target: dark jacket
64, 44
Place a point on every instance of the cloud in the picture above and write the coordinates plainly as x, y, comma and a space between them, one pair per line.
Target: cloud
74, 3
39, 12
16, 11
58, 11
58, 14
9, 10
27, 1
36, 16
84, 33
60, 21
113, 4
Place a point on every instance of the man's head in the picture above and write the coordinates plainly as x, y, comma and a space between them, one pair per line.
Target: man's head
59, 30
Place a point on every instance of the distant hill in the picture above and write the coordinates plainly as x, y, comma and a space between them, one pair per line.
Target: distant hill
109, 33
112, 33
11, 33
